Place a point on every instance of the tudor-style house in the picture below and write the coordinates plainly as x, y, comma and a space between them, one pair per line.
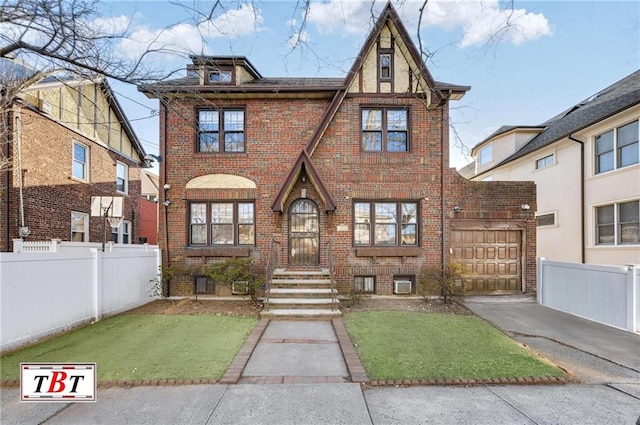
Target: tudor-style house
257, 165
68, 140
585, 162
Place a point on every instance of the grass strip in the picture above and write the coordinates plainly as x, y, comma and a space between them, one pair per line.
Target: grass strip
134, 347
409, 345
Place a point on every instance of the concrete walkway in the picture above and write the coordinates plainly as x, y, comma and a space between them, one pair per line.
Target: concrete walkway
278, 353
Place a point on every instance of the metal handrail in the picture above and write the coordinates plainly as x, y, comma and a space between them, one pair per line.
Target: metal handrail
272, 263
330, 263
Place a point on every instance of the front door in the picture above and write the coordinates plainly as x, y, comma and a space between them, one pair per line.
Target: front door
304, 233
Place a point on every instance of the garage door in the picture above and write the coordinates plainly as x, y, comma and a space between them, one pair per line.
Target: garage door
492, 259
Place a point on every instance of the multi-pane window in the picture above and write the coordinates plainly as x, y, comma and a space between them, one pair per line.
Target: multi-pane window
365, 284
122, 177
385, 223
618, 224
617, 148
544, 162
385, 130
485, 155
222, 223
80, 161
122, 233
221, 130
79, 227
385, 66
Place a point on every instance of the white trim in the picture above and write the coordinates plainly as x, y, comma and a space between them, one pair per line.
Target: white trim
87, 161
126, 177
85, 234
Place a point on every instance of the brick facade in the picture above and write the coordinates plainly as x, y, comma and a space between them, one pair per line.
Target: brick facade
278, 126
50, 193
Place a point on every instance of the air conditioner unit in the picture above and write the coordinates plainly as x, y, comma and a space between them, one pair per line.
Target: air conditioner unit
402, 286
240, 288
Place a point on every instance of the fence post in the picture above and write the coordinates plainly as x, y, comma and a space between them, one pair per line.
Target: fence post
17, 245
96, 283
539, 281
632, 293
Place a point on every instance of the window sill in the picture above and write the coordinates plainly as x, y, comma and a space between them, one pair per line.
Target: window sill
231, 251
79, 180
393, 251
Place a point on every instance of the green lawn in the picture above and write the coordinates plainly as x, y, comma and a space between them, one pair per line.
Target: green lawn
133, 347
402, 345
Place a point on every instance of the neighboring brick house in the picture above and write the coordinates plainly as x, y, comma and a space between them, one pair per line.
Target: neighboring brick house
361, 161
68, 140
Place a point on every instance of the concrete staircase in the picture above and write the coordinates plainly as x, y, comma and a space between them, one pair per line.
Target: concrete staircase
300, 295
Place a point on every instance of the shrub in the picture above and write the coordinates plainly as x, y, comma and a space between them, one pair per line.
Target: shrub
445, 283
235, 270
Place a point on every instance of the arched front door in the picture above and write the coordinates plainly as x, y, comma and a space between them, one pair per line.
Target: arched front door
304, 233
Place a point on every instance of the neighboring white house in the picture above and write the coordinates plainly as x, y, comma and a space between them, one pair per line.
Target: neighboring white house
586, 166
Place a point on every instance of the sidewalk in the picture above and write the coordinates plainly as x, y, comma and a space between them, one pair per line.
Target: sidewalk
284, 352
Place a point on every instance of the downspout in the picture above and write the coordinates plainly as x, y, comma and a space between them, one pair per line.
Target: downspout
5, 124
443, 216
582, 218
163, 181
18, 144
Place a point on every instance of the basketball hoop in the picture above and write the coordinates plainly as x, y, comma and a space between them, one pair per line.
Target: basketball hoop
115, 221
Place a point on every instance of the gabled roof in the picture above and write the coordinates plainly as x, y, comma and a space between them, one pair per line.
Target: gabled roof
388, 14
506, 129
303, 164
612, 100
12, 69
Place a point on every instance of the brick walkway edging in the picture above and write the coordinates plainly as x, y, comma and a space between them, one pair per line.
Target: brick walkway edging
234, 373
351, 358
354, 365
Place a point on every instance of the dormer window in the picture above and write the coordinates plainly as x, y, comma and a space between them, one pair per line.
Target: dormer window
485, 155
220, 76
384, 62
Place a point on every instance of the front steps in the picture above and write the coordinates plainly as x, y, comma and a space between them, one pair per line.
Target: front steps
301, 295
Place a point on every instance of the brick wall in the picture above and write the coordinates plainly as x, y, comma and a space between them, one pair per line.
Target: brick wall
496, 204
275, 132
50, 193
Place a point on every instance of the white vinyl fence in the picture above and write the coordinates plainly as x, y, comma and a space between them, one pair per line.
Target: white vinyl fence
606, 294
45, 291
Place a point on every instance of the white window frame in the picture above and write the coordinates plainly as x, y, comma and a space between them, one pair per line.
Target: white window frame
616, 149
85, 164
85, 217
124, 229
119, 167
545, 164
546, 226
617, 242
482, 159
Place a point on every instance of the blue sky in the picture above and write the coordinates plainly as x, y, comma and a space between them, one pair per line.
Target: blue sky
555, 54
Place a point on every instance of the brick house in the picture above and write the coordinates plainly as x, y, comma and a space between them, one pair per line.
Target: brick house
68, 140
256, 164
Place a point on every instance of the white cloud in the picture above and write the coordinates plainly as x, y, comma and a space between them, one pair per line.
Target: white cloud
479, 20
515, 26
350, 17
187, 37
